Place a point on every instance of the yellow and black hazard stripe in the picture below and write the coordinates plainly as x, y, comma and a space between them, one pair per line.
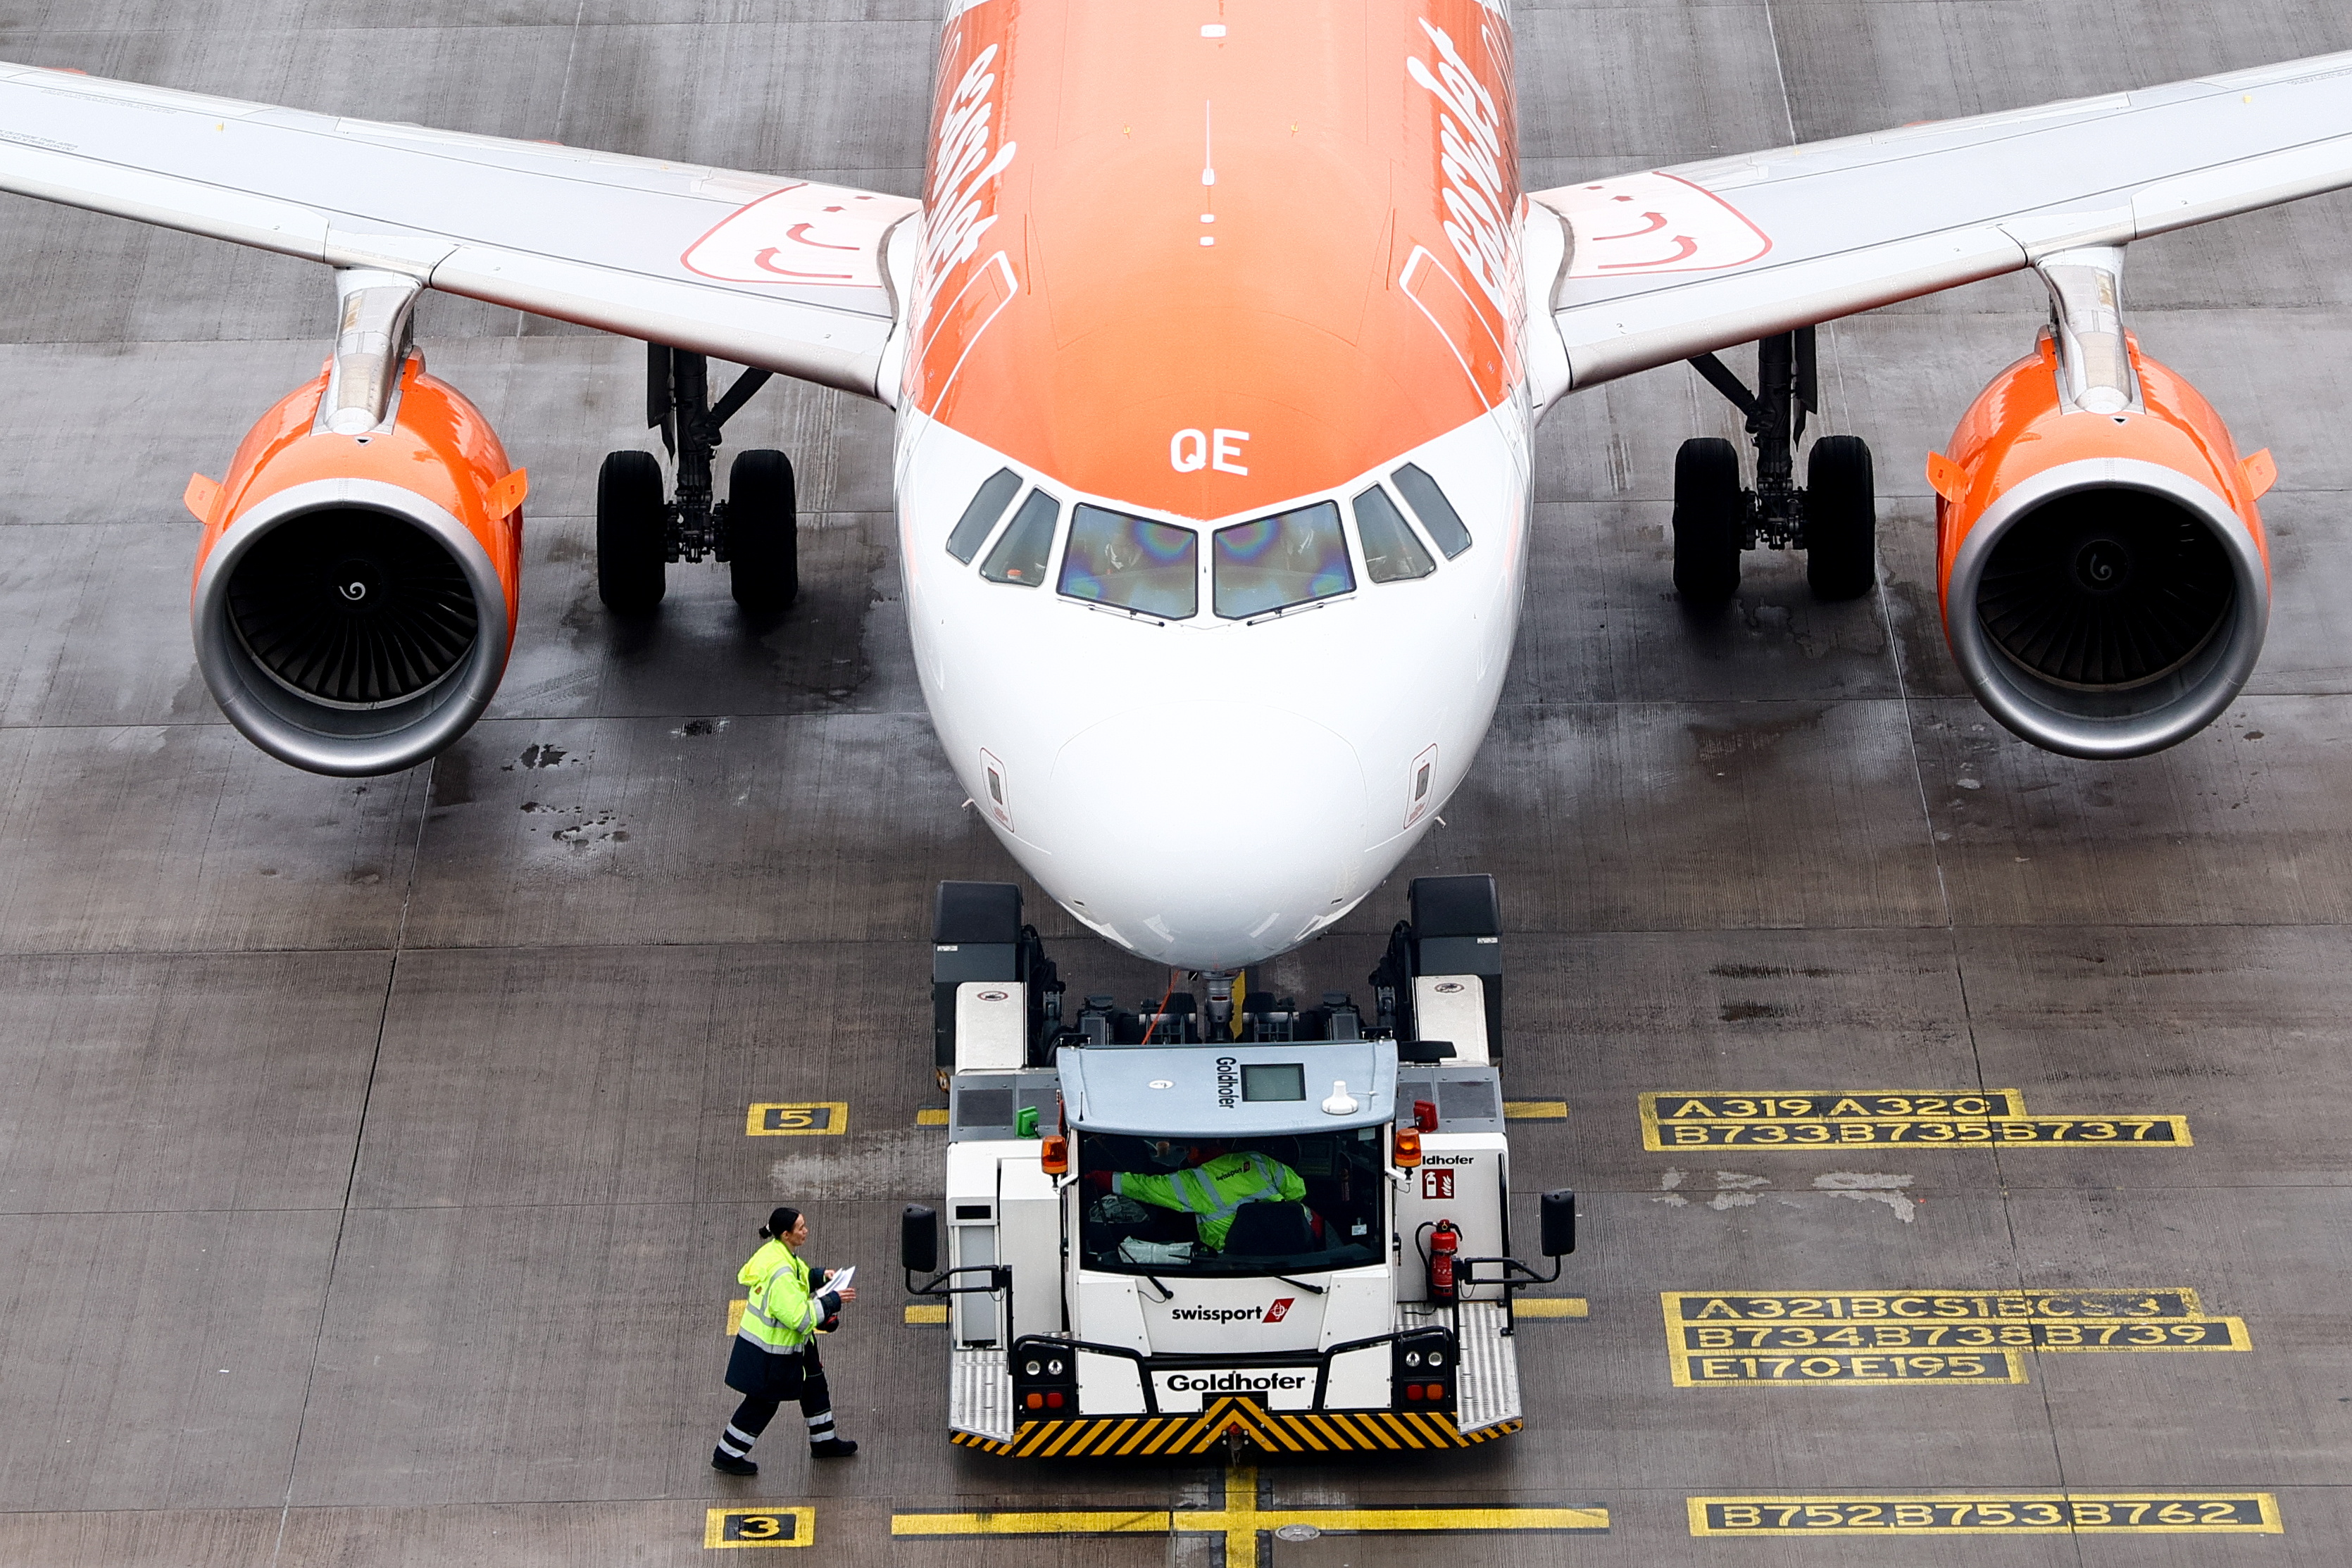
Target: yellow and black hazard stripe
1277, 1431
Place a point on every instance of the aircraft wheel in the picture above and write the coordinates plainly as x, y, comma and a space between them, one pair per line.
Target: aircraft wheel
762, 531
1841, 518
631, 522
1709, 510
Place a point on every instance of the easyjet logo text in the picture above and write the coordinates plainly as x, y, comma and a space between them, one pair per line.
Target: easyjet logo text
1470, 156
962, 170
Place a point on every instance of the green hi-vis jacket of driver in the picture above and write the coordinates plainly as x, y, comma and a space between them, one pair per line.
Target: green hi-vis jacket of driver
1215, 1190
778, 1316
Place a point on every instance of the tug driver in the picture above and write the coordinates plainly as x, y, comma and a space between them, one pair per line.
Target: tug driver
1213, 1191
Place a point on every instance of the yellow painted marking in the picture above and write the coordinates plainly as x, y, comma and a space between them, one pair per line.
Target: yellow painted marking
1810, 1120
927, 1316
776, 1121
735, 1316
758, 1527
1550, 1307
936, 1116
1535, 1109
1990, 1513
1240, 1518
1879, 1338
1096, 1522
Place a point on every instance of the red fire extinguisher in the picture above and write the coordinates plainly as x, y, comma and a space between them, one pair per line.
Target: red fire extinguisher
1444, 1242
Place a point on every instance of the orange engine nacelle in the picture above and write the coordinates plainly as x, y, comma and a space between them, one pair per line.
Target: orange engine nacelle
2104, 575
355, 593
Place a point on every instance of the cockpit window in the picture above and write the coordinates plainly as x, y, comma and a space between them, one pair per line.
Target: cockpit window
1272, 563
1391, 553
971, 528
1437, 513
1019, 556
1132, 562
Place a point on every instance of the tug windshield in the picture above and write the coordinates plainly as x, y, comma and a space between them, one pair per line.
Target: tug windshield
1283, 1205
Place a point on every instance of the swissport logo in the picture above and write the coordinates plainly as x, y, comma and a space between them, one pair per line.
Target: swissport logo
1274, 1313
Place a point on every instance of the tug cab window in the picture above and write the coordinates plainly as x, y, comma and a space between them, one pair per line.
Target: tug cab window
1272, 563
1272, 1205
1437, 514
971, 530
1019, 556
1391, 553
1132, 563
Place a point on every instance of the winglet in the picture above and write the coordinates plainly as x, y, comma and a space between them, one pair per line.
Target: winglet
2260, 472
200, 496
506, 495
1947, 478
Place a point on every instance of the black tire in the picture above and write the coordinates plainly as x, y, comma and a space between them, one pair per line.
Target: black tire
763, 551
1841, 518
1709, 512
631, 521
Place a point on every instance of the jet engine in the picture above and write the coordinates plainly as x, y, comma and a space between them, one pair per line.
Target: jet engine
2106, 582
355, 590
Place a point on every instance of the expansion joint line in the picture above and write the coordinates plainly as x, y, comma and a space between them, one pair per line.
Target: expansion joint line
359, 1141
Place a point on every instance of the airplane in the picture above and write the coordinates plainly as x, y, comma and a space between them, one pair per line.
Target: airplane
1216, 346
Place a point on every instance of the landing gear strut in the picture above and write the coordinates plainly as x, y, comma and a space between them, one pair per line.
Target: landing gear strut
1832, 519
639, 532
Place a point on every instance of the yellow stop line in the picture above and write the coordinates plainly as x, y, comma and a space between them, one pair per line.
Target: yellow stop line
1240, 1518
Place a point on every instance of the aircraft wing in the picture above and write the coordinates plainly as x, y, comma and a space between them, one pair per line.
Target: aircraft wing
1677, 262
778, 273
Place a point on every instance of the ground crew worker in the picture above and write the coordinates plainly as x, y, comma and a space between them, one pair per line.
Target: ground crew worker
775, 1357
1213, 1191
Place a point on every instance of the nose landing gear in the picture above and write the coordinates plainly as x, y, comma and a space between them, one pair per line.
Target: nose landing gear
639, 531
1832, 517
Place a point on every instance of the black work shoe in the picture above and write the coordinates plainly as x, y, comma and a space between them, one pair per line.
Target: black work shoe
722, 1460
833, 1448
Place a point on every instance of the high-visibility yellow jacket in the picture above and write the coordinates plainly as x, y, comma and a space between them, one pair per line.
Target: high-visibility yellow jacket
1215, 1190
780, 1315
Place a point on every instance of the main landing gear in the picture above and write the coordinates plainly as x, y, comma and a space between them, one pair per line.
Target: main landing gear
1832, 519
640, 531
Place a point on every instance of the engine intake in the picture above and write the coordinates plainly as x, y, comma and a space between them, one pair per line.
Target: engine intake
2106, 589
354, 608
2105, 583
355, 602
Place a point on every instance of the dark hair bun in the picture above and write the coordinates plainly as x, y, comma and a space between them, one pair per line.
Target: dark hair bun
781, 1223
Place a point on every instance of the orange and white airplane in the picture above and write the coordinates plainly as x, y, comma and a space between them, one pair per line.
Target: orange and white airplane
1215, 344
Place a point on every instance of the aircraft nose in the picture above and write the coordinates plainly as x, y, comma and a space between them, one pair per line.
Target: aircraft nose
1207, 835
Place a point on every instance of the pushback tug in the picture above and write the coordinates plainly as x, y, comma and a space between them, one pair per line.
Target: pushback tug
1321, 1257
